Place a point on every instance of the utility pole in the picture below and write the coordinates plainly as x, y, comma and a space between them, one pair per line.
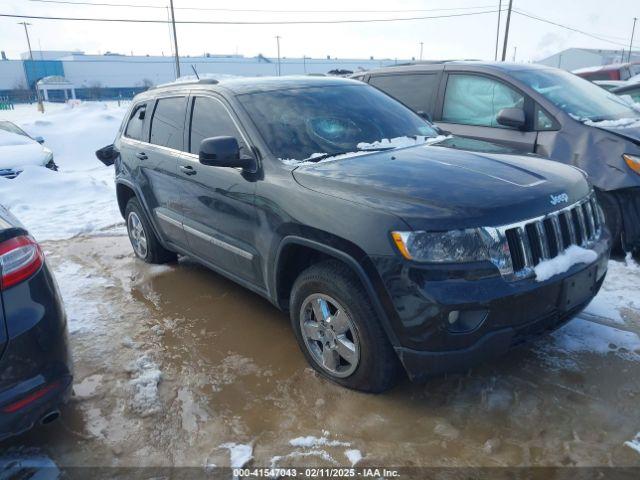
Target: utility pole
495, 55
304, 63
421, 45
633, 31
26, 31
506, 32
278, 43
175, 39
515, 49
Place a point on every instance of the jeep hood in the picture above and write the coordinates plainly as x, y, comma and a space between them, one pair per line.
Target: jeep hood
439, 188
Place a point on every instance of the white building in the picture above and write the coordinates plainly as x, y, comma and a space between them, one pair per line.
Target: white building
574, 58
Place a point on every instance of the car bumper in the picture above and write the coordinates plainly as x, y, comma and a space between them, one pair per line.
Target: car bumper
36, 372
511, 312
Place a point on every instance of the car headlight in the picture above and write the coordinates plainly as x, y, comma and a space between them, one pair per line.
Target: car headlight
456, 246
48, 155
633, 162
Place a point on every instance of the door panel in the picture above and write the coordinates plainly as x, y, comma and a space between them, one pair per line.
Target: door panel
471, 105
217, 204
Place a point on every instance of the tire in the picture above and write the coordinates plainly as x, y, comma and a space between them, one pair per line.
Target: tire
138, 229
613, 219
375, 366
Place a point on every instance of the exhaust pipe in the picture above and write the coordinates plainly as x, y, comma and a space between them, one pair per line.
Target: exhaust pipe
52, 416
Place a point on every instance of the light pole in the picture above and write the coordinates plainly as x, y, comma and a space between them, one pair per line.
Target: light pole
495, 55
633, 30
506, 32
175, 39
278, 43
421, 46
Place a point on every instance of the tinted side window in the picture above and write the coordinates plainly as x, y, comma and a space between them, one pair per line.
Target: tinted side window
136, 123
209, 118
476, 100
167, 124
415, 91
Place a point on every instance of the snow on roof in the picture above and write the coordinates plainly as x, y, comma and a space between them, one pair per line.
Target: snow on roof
54, 80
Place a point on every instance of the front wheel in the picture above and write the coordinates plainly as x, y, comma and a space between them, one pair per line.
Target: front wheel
339, 332
142, 237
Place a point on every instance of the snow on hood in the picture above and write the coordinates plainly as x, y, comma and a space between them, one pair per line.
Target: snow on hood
620, 123
563, 262
16, 151
365, 148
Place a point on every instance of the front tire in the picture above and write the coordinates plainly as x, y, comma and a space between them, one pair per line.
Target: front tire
339, 332
613, 219
143, 239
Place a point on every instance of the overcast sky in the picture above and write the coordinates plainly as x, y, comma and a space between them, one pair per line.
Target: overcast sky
470, 36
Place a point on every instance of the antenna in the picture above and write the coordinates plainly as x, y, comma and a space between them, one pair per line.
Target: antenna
195, 71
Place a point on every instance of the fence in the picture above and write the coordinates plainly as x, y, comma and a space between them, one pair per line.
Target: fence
6, 103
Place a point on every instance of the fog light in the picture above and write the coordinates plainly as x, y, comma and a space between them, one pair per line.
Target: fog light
466, 320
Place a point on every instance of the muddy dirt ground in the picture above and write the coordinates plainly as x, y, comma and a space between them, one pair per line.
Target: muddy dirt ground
177, 366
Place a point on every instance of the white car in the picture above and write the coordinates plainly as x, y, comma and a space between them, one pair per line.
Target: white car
18, 149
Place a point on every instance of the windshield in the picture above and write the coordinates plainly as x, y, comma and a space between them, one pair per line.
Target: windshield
10, 127
298, 123
576, 96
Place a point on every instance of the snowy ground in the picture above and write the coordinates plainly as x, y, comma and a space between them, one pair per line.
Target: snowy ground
166, 373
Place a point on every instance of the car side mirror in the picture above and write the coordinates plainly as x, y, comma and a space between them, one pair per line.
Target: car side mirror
224, 152
108, 154
39, 139
425, 115
511, 117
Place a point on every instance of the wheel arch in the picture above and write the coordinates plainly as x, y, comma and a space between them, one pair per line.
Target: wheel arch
296, 253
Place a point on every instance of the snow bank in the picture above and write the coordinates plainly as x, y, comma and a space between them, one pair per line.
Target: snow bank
80, 198
240, 454
145, 386
563, 262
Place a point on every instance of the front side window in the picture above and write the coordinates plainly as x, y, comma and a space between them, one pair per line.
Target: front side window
477, 100
298, 122
209, 118
136, 123
167, 124
415, 91
576, 96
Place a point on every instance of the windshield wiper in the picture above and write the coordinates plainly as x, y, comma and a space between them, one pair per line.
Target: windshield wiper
336, 154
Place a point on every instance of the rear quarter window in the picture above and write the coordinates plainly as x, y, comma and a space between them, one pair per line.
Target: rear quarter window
135, 125
414, 90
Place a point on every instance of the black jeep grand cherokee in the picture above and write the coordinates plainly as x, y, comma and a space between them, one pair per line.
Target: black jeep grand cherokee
384, 253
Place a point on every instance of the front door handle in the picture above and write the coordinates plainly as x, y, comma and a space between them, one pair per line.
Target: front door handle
141, 155
188, 170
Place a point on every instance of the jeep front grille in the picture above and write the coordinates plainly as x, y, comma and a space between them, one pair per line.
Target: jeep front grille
533, 241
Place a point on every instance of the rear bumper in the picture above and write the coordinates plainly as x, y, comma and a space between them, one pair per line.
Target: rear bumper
36, 372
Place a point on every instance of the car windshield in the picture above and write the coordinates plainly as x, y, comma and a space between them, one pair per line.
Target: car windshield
298, 123
577, 97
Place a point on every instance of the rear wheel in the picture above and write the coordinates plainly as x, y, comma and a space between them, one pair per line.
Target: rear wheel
339, 332
142, 237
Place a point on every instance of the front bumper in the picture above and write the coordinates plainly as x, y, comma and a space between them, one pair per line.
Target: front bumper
514, 311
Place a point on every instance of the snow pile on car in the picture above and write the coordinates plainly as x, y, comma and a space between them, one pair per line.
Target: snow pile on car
18, 151
563, 262
80, 197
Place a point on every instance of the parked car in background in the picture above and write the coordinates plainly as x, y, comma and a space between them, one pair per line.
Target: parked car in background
629, 89
18, 149
536, 109
35, 362
387, 242
609, 85
613, 71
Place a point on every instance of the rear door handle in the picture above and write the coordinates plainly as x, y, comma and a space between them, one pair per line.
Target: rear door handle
141, 155
188, 170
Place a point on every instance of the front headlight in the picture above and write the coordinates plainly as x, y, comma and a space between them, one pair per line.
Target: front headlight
456, 246
48, 155
633, 162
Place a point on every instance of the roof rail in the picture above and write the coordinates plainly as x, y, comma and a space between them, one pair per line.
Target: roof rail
202, 81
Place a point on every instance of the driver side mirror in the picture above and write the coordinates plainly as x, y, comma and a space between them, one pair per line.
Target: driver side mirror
39, 139
425, 115
511, 117
224, 152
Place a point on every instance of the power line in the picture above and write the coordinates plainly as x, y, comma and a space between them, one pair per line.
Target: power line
576, 30
248, 22
256, 10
